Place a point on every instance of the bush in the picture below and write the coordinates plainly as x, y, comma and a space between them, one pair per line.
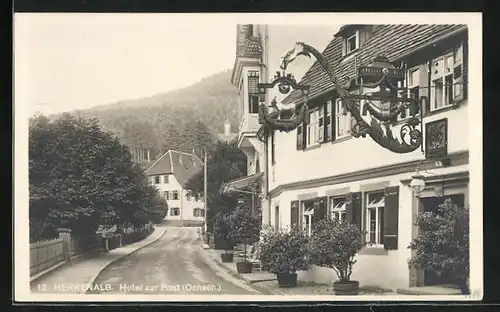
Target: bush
284, 252
334, 245
245, 226
442, 243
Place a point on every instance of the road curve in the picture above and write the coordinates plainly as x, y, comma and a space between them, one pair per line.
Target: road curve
172, 265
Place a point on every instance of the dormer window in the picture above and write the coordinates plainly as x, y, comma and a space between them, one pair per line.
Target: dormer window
351, 43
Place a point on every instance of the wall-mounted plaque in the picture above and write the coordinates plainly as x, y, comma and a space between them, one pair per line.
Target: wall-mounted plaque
436, 139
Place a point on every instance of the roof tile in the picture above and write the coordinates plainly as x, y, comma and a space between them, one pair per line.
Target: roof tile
392, 41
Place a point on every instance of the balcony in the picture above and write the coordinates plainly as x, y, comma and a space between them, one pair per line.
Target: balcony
249, 125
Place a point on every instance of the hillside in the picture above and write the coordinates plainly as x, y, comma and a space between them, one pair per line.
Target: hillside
182, 119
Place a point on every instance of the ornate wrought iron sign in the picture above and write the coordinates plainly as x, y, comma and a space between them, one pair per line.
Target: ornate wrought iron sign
385, 104
436, 139
271, 117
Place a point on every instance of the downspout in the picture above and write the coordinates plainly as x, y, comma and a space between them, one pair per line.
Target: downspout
266, 158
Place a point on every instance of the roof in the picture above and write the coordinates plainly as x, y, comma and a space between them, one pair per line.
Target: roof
392, 41
180, 164
240, 184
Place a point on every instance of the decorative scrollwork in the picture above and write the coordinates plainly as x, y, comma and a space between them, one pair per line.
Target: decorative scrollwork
382, 77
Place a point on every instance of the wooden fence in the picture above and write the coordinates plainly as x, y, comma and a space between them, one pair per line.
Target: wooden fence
45, 254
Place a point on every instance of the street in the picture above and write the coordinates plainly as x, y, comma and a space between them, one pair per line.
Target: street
175, 264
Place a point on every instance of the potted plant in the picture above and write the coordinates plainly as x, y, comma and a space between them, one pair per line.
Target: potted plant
245, 229
222, 228
334, 245
284, 253
442, 243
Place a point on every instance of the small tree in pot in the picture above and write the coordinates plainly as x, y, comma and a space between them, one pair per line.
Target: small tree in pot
284, 252
245, 229
334, 245
442, 243
222, 229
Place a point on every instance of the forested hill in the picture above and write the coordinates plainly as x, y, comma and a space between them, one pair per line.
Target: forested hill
182, 119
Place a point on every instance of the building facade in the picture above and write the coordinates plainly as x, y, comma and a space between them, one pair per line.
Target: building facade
169, 174
321, 167
254, 50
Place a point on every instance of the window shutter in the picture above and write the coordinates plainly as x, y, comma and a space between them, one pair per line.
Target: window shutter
321, 124
424, 81
300, 137
354, 209
326, 121
333, 121
459, 73
391, 218
320, 210
294, 213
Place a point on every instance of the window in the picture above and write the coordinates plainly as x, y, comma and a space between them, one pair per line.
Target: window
165, 179
412, 84
343, 121
447, 82
375, 205
175, 211
338, 209
157, 179
198, 212
152, 180
166, 194
351, 43
312, 128
253, 92
175, 195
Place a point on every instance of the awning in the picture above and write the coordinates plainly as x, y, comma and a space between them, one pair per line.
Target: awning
238, 185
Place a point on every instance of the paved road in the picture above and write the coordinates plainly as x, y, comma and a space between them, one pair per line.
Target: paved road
175, 264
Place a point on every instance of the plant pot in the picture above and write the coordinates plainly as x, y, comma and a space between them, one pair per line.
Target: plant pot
287, 279
244, 267
227, 257
346, 288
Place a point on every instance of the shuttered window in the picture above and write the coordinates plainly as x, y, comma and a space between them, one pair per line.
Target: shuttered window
294, 213
300, 137
391, 199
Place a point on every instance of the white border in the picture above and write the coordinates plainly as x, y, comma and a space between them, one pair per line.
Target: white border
474, 23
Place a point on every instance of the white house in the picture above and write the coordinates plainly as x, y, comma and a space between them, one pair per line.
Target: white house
170, 173
321, 166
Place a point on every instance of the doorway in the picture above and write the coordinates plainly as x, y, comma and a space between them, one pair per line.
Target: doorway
432, 277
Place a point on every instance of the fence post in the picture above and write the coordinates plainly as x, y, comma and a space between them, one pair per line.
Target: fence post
65, 236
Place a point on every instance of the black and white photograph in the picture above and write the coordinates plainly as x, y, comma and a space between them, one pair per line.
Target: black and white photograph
308, 157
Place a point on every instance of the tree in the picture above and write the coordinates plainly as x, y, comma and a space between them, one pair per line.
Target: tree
81, 177
442, 243
334, 245
225, 162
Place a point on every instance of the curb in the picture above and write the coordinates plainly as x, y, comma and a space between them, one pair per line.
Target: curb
241, 278
94, 277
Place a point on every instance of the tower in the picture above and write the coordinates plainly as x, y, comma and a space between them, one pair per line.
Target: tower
227, 127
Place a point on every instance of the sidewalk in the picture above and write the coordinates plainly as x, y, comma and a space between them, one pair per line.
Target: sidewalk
254, 277
86, 271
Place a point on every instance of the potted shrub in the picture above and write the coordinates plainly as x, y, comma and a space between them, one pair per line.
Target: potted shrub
442, 243
222, 228
334, 245
284, 253
245, 229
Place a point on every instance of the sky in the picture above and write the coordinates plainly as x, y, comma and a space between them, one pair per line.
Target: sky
69, 61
